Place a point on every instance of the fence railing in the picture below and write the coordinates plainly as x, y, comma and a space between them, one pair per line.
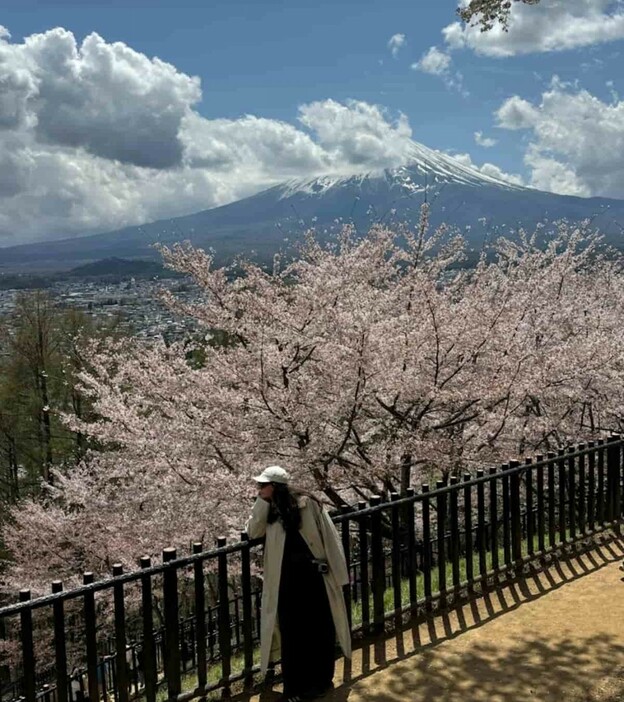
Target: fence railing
403, 553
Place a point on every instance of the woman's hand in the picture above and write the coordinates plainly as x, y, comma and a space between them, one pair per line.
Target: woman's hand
265, 491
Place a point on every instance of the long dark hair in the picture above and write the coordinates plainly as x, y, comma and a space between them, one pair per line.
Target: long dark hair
285, 506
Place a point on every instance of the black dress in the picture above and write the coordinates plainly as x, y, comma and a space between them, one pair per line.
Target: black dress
305, 622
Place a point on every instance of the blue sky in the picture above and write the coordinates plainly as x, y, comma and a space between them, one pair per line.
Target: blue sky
538, 92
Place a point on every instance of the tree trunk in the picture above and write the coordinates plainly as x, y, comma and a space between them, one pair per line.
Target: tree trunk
47, 433
13, 471
406, 472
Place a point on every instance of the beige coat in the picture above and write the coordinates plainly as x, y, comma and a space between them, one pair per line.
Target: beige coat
322, 538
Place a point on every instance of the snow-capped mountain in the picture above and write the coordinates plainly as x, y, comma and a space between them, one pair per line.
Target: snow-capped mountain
478, 204
425, 168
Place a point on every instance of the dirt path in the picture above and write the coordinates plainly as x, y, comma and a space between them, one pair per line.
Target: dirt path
557, 636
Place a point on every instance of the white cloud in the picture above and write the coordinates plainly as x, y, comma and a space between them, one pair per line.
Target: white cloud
357, 133
489, 169
554, 176
60, 191
615, 96
251, 143
96, 136
434, 61
105, 98
486, 142
438, 63
517, 113
396, 43
576, 142
553, 25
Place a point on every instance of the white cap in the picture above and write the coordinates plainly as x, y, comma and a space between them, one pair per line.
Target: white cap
273, 474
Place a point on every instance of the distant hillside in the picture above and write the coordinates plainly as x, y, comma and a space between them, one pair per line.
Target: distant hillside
25, 281
109, 270
121, 267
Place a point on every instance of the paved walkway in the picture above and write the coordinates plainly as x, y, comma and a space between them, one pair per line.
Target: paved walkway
557, 636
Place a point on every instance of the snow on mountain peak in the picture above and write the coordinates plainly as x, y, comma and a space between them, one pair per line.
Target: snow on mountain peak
423, 168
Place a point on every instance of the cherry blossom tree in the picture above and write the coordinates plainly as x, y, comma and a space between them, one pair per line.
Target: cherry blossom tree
365, 365
487, 13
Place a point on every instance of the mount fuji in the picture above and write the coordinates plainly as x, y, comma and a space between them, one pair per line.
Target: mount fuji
481, 206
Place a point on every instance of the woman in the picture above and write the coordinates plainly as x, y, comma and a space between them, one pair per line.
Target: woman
303, 607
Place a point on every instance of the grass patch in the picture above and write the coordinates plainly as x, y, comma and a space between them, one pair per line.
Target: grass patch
189, 679
356, 607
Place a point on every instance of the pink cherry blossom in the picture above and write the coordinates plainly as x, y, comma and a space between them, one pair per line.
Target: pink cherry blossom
365, 365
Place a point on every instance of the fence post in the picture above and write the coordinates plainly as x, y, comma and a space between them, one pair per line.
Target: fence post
200, 612
247, 615
468, 538
171, 648
225, 641
121, 663
454, 524
396, 555
481, 527
345, 538
379, 584
493, 492
90, 636
427, 564
60, 650
618, 484
552, 523
506, 514
572, 494
411, 549
364, 578
561, 469
582, 511
613, 478
530, 520
601, 506
618, 488
514, 508
591, 489
541, 521
441, 516
28, 651
149, 653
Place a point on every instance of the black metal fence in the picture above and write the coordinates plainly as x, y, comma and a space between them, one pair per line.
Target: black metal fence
403, 553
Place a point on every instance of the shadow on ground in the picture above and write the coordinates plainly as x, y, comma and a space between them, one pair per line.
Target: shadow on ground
529, 669
545, 661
